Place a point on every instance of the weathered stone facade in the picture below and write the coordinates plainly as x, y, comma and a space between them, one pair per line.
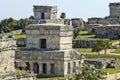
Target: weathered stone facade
106, 31
113, 18
7, 59
84, 43
49, 47
45, 12
77, 23
103, 62
7, 47
114, 9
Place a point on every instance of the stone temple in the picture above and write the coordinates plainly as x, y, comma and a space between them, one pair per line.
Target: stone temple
49, 45
108, 27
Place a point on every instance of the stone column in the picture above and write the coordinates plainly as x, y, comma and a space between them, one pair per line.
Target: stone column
48, 68
40, 68
31, 67
71, 67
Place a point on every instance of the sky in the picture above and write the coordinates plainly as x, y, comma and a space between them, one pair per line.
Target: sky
73, 8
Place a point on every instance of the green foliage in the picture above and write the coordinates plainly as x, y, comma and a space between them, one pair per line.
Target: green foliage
63, 15
84, 34
17, 36
101, 56
117, 50
11, 24
89, 72
85, 23
83, 49
101, 44
76, 33
112, 70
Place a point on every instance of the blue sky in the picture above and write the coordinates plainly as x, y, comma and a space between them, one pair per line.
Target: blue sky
73, 8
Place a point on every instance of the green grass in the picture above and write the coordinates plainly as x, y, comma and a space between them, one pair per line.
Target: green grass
114, 41
83, 49
84, 34
17, 36
20, 48
20, 71
101, 56
117, 50
112, 70
52, 78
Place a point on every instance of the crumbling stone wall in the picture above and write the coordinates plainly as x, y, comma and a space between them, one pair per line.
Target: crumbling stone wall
7, 47
84, 43
77, 23
109, 31
25, 76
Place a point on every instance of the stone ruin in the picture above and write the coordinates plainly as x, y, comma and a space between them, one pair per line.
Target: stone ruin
77, 23
101, 63
84, 43
107, 27
7, 59
49, 45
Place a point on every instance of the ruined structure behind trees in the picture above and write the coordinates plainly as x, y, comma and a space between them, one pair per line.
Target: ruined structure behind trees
107, 24
49, 45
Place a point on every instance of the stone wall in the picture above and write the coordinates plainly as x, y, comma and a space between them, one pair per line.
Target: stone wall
58, 36
7, 47
114, 9
21, 42
103, 63
104, 21
25, 76
109, 31
44, 12
77, 23
84, 43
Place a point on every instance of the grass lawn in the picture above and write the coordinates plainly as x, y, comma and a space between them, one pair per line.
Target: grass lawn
101, 56
117, 50
112, 70
17, 36
20, 48
84, 34
83, 49
20, 71
52, 78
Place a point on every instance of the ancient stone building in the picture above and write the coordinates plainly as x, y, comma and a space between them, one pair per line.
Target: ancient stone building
49, 46
107, 27
114, 9
7, 47
107, 31
7, 59
77, 23
113, 18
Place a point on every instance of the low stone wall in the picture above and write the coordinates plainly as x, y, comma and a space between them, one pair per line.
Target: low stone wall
21, 42
103, 62
25, 76
84, 43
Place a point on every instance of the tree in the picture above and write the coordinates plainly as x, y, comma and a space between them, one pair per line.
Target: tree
63, 15
89, 72
107, 45
75, 33
98, 46
101, 45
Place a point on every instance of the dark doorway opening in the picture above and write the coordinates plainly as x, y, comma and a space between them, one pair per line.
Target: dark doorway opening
68, 68
52, 70
43, 43
27, 66
42, 15
36, 68
44, 68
